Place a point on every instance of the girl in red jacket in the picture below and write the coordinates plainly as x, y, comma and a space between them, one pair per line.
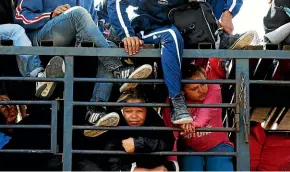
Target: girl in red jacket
203, 117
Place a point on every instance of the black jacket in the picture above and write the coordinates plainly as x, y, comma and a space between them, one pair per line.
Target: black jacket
144, 141
6, 11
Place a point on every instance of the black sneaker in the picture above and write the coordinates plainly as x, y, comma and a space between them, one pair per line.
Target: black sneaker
97, 116
171, 166
180, 114
237, 41
130, 72
54, 69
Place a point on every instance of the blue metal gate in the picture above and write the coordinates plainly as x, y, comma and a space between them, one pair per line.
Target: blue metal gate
241, 104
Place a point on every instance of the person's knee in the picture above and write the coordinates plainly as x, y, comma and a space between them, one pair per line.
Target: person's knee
77, 10
15, 28
173, 35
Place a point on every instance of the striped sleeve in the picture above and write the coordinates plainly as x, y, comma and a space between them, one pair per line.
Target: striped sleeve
29, 14
119, 18
233, 6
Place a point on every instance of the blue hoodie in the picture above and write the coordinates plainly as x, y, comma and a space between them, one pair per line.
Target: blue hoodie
153, 13
34, 14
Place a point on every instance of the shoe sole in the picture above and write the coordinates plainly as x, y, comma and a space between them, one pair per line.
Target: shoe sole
244, 41
54, 69
110, 120
142, 72
183, 121
176, 166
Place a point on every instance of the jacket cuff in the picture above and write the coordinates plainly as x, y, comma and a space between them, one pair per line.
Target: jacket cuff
138, 144
51, 15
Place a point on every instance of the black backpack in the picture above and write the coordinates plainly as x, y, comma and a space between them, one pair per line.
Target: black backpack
196, 22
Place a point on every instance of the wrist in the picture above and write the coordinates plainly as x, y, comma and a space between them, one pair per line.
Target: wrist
228, 13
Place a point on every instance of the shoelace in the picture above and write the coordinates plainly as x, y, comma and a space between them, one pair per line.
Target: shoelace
179, 103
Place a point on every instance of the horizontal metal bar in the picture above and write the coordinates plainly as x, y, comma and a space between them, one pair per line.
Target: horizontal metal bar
152, 80
24, 151
278, 131
272, 82
26, 126
25, 102
223, 105
31, 79
155, 153
119, 52
126, 128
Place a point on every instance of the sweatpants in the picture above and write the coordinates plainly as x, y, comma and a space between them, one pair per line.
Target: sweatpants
171, 54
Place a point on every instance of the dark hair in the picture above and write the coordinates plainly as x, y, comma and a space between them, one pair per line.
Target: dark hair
190, 70
132, 94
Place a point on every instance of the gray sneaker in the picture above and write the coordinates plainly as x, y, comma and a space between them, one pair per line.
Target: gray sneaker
54, 69
180, 114
237, 41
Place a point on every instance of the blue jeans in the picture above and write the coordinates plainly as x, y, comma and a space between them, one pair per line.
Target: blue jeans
211, 163
76, 24
171, 55
29, 65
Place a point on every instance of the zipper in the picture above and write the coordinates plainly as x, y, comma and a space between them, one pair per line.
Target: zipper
207, 23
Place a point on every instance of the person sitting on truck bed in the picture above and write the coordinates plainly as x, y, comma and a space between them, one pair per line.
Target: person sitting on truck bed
67, 21
203, 117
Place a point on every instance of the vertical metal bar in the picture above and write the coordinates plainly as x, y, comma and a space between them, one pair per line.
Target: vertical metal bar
242, 146
68, 114
53, 134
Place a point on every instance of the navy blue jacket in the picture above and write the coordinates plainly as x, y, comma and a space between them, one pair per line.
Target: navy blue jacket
153, 13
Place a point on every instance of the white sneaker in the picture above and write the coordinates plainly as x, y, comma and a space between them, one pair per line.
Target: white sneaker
142, 72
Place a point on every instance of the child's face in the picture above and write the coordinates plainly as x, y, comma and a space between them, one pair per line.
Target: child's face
135, 116
196, 92
8, 111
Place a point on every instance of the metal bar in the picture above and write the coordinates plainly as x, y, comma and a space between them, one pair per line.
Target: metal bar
117, 52
243, 158
156, 153
26, 126
126, 128
24, 102
161, 81
24, 151
224, 105
53, 134
31, 79
68, 113
272, 82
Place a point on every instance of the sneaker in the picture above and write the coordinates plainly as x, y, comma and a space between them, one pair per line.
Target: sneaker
54, 69
141, 72
97, 116
179, 114
171, 166
237, 41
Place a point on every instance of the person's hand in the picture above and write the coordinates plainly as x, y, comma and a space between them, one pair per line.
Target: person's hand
159, 168
227, 22
59, 10
132, 45
128, 145
189, 127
